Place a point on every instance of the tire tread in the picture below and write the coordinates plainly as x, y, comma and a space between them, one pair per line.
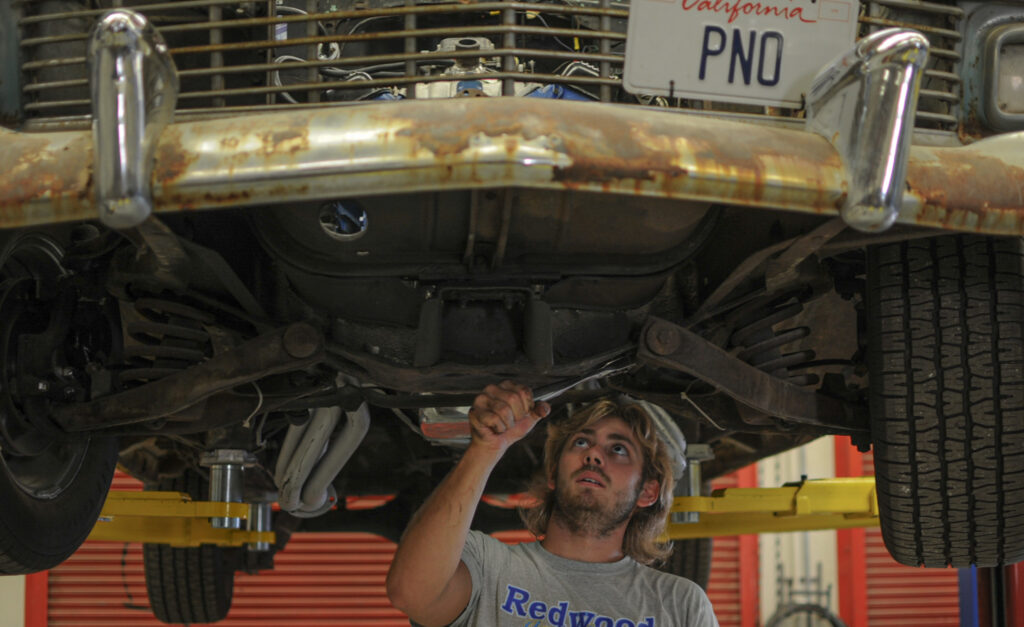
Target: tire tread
188, 585
946, 355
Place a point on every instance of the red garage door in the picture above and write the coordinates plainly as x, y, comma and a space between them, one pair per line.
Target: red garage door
875, 590
901, 595
733, 588
319, 579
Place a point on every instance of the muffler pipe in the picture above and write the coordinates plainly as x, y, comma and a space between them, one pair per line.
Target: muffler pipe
311, 444
350, 436
311, 458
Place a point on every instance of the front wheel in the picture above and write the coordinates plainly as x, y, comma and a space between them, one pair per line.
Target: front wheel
50, 502
946, 363
52, 487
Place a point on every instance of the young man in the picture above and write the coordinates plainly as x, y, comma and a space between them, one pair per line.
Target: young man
605, 493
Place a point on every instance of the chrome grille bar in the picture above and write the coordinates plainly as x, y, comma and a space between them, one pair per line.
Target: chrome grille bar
215, 14
938, 21
214, 46
399, 34
917, 5
927, 30
156, 6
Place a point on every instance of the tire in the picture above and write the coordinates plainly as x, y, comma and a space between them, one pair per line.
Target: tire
189, 585
42, 525
52, 488
946, 364
691, 559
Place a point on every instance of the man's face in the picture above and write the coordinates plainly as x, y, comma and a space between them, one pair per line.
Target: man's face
599, 479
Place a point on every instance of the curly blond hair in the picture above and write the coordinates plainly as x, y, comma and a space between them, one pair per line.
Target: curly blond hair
647, 524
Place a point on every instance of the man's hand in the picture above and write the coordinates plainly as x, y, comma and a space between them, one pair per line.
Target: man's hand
428, 580
503, 414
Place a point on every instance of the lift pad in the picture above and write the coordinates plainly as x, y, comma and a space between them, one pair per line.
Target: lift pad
171, 518
811, 505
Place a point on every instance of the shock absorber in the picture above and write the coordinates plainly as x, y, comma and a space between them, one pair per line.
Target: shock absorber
760, 343
161, 338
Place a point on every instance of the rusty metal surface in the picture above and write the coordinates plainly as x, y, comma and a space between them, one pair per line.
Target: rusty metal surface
45, 178
975, 188
491, 143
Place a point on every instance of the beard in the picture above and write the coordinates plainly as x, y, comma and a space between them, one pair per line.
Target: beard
584, 514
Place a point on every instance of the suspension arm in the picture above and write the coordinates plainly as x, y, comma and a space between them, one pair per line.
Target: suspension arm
293, 347
668, 345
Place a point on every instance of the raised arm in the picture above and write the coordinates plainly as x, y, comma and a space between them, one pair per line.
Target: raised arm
428, 580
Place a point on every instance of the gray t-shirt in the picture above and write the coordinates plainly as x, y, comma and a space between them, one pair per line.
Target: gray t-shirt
526, 586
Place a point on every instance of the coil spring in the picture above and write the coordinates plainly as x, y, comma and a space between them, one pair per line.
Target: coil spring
163, 337
760, 344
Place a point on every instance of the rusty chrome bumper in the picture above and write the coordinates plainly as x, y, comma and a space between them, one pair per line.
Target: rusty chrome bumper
479, 143
856, 160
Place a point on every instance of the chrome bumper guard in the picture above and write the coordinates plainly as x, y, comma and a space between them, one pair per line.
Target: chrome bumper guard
134, 87
864, 104
854, 159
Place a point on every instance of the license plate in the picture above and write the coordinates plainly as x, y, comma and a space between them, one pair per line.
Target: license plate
764, 53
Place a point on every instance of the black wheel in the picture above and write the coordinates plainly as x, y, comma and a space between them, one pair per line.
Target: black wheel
690, 558
50, 502
946, 362
52, 487
189, 585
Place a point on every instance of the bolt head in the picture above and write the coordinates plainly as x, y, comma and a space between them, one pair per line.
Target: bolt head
301, 340
663, 339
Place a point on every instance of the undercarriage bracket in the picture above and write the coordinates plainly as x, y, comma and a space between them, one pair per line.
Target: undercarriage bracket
297, 346
669, 345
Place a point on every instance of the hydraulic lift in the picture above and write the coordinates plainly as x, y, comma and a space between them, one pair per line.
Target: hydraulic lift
809, 505
174, 518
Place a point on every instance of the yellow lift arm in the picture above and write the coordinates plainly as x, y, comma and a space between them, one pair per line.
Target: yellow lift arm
811, 505
171, 518
174, 518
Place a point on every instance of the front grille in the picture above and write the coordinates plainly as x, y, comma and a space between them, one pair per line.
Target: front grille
234, 56
939, 22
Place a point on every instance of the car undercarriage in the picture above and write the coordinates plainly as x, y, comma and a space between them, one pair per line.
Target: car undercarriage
298, 238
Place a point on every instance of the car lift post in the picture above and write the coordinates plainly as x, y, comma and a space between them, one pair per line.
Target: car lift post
999, 597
